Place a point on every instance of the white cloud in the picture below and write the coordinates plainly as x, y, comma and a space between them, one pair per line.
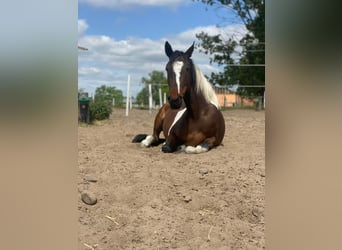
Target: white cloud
82, 27
124, 4
109, 61
236, 31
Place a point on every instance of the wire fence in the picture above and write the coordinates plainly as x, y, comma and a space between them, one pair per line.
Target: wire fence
227, 97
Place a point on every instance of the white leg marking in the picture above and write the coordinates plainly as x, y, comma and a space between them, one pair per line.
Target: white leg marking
181, 148
147, 142
196, 150
177, 68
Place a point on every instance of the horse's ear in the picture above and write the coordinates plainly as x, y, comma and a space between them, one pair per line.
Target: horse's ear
168, 49
190, 50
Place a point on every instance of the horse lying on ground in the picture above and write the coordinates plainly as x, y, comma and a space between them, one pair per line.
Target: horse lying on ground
191, 120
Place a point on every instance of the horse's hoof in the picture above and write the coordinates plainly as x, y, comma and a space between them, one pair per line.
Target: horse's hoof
166, 149
139, 138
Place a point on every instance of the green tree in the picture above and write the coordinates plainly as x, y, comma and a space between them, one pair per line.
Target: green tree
107, 94
158, 81
223, 52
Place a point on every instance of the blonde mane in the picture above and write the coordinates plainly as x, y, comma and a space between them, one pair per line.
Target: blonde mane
203, 86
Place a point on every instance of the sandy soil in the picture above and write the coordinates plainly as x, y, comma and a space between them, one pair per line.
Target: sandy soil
147, 199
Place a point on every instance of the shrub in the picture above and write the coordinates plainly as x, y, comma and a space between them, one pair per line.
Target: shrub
100, 110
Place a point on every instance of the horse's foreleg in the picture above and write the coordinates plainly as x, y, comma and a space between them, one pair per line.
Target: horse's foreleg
154, 140
170, 145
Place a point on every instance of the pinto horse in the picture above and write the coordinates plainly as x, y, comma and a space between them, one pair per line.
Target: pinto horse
191, 119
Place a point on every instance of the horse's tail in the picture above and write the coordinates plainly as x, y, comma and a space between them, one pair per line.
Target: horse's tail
139, 138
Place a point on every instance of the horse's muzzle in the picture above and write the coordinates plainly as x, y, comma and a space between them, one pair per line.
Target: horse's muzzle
176, 103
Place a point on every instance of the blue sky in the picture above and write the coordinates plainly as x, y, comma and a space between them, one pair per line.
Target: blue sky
127, 37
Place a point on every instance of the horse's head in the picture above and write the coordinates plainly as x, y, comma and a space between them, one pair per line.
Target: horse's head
180, 74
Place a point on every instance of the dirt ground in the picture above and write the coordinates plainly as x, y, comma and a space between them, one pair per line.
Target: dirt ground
147, 199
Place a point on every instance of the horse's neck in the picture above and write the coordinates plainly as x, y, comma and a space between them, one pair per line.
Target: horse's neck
195, 104
195, 100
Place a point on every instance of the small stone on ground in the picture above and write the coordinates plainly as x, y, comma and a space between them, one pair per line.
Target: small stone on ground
187, 198
90, 178
203, 171
88, 198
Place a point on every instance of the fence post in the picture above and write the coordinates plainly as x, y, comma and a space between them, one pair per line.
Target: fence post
160, 97
128, 94
164, 97
150, 97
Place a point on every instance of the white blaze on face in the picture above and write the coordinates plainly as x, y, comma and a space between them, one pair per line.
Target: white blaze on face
177, 69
